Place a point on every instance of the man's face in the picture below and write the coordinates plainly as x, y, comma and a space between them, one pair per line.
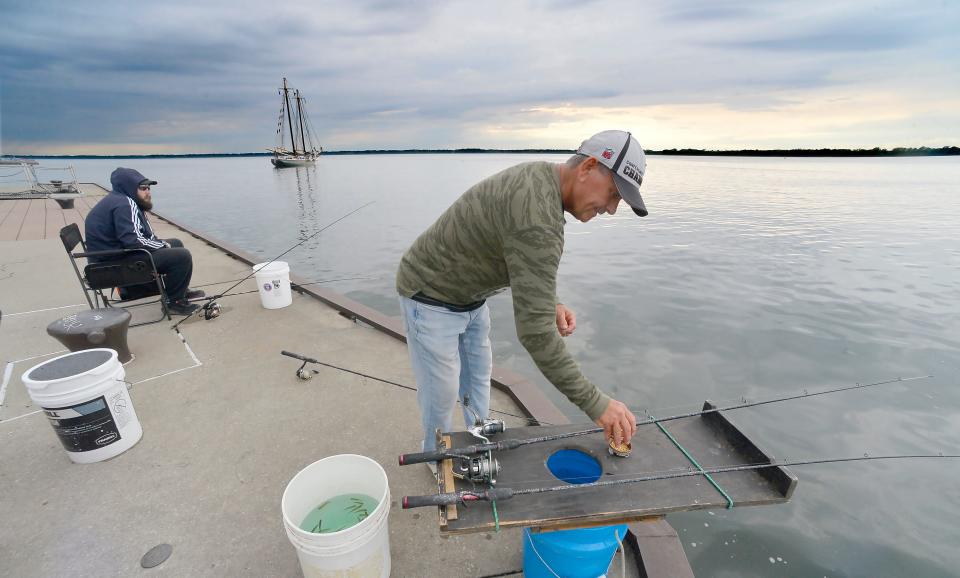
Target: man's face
594, 192
143, 194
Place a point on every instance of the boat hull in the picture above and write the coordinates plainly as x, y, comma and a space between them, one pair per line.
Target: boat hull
282, 162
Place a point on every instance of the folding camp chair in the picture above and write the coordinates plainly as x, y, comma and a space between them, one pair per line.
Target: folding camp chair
127, 268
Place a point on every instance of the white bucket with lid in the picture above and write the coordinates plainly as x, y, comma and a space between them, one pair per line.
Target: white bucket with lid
273, 282
86, 400
360, 551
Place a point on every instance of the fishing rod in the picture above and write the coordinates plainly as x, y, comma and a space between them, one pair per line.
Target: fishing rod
492, 494
306, 374
512, 444
211, 308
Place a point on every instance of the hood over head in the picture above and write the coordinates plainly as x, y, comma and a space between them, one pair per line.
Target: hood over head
126, 181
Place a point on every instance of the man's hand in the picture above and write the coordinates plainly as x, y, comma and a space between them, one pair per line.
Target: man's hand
566, 320
618, 422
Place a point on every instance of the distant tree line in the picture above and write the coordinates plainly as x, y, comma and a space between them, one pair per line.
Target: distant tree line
874, 152
824, 152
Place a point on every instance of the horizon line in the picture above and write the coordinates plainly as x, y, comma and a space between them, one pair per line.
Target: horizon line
875, 151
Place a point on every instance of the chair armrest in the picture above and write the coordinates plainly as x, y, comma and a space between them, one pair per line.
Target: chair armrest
110, 253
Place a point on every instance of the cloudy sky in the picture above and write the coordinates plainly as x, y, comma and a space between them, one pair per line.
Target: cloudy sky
105, 77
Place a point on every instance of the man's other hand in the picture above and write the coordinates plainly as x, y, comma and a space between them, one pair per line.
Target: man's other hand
566, 320
618, 422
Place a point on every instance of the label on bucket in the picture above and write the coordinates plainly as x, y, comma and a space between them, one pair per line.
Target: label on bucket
85, 426
339, 513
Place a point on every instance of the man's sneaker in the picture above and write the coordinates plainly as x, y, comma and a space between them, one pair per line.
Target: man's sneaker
181, 307
195, 294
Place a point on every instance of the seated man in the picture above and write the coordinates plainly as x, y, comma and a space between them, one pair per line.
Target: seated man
118, 222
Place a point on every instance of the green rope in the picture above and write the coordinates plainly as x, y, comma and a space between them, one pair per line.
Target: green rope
696, 463
496, 517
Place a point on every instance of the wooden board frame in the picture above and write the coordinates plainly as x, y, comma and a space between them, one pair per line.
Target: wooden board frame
712, 439
446, 483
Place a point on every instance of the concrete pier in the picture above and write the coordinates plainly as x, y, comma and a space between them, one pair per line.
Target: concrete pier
226, 425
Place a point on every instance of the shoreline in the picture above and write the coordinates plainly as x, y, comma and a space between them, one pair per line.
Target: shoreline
799, 153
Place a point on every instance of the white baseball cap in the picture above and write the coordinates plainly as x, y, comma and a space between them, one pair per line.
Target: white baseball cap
621, 153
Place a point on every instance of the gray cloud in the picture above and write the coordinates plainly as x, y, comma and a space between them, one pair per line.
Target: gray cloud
868, 30
418, 74
712, 12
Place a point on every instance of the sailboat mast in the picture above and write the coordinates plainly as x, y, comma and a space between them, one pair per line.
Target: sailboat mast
303, 141
286, 102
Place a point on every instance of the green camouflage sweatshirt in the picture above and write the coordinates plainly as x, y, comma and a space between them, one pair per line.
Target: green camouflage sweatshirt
505, 231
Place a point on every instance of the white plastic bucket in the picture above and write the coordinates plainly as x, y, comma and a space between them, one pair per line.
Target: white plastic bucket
273, 282
86, 400
360, 551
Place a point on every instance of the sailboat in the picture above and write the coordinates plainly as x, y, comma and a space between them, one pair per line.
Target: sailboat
293, 119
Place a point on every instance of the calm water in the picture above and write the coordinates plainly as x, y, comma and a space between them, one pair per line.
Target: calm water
750, 277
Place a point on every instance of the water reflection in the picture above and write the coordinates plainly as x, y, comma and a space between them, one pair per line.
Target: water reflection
304, 180
750, 277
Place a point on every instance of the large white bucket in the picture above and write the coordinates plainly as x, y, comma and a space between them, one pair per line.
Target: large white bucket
86, 400
360, 551
273, 282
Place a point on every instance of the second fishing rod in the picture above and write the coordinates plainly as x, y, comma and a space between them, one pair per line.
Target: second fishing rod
511, 444
493, 494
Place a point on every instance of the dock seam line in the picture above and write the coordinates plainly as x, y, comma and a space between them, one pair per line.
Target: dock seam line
131, 385
196, 362
164, 374
7, 373
20, 416
192, 354
42, 310
186, 345
39, 356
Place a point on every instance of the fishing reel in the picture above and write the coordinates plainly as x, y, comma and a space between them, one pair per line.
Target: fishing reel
480, 469
487, 427
306, 374
482, 427
210, 310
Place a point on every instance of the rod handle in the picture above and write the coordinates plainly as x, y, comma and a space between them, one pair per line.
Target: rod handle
295, 355
439, 455
431, 500
421, 457
450, 499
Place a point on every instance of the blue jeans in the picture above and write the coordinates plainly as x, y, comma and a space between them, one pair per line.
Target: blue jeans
451, 358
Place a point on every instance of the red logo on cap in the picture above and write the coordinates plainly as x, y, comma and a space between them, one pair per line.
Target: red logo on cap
608, 154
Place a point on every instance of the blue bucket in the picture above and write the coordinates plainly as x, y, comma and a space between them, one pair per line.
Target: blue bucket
584, 553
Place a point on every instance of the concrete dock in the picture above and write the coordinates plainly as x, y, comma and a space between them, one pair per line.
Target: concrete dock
226, 425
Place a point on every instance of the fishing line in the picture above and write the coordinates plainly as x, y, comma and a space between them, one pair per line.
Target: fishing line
217, 283
643, 410
689, 472
254, 272
394, 383
292, 286
510, 444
